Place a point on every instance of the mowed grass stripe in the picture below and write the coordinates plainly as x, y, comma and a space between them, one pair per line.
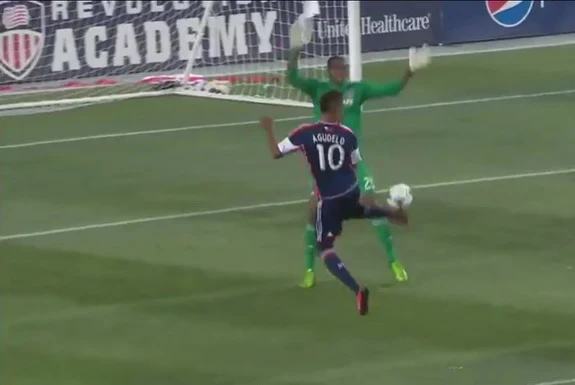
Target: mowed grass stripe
290, 119
234, 209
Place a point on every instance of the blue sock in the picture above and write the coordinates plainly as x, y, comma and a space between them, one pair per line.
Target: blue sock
338, 270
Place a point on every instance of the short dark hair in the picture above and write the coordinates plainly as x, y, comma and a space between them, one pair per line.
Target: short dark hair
329, 100
333, 59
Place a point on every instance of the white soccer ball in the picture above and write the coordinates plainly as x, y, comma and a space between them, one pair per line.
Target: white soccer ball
399, 195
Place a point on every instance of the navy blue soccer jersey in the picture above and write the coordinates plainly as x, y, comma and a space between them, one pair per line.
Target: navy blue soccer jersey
332, 152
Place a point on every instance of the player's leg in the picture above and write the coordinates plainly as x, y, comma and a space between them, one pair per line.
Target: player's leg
381, 226
310, 244
328, 227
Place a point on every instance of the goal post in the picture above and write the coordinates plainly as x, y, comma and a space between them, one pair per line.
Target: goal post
354, 39
67, 53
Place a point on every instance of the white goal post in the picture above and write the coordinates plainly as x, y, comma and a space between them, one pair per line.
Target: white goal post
76, 53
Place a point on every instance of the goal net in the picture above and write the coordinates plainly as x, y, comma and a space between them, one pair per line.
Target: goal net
55, 53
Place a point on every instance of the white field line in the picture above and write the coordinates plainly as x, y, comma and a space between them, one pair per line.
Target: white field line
195, 214
463, 50
295, 118
557, 382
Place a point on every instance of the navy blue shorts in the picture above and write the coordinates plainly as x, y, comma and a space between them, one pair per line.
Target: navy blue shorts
331, 213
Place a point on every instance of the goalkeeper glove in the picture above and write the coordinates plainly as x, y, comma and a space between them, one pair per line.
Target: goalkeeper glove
419, 58
301, 32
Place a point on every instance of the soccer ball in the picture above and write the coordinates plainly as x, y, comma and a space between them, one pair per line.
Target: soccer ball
399, 195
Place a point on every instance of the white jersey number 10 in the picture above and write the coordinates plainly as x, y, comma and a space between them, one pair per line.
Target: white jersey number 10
329, 156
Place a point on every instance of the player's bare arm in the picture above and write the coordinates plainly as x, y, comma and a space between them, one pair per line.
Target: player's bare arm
267, 124
406, 77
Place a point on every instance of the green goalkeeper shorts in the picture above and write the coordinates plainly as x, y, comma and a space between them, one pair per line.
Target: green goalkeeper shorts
365, 180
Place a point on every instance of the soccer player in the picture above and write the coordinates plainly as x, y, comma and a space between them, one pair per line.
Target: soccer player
332, 153
355, 94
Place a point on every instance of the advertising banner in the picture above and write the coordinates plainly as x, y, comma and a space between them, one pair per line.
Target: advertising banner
467, 21
399, 24
57, 40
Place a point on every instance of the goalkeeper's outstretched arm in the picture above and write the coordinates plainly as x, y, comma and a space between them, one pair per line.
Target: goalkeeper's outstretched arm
294, 77
419, 58
376, 90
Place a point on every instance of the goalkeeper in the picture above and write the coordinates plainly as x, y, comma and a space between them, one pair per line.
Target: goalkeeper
355, 94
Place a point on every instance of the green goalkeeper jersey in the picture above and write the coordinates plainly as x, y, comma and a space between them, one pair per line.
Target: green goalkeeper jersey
354, 94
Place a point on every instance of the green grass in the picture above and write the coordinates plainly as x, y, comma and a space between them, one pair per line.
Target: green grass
213, 300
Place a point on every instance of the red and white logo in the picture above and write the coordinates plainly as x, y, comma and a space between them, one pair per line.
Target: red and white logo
509, 14
22, 36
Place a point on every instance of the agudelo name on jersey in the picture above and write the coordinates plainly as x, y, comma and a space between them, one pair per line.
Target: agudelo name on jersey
328, 138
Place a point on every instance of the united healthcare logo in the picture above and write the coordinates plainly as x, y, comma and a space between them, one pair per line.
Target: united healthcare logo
22, 31
509, 14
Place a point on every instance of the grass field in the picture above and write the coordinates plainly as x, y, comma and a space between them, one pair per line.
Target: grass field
203, 289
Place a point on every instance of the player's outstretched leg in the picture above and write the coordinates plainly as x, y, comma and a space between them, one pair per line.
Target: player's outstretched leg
310, 247
336, 267
383, 231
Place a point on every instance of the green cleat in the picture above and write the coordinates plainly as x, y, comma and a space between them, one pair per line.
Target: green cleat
399, 271
309, 280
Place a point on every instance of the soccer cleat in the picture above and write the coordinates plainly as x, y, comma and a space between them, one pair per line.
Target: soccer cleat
399, 271
362, 299
308, 280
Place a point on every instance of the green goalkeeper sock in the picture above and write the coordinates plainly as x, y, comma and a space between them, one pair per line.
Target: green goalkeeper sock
384, 234
310, 245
